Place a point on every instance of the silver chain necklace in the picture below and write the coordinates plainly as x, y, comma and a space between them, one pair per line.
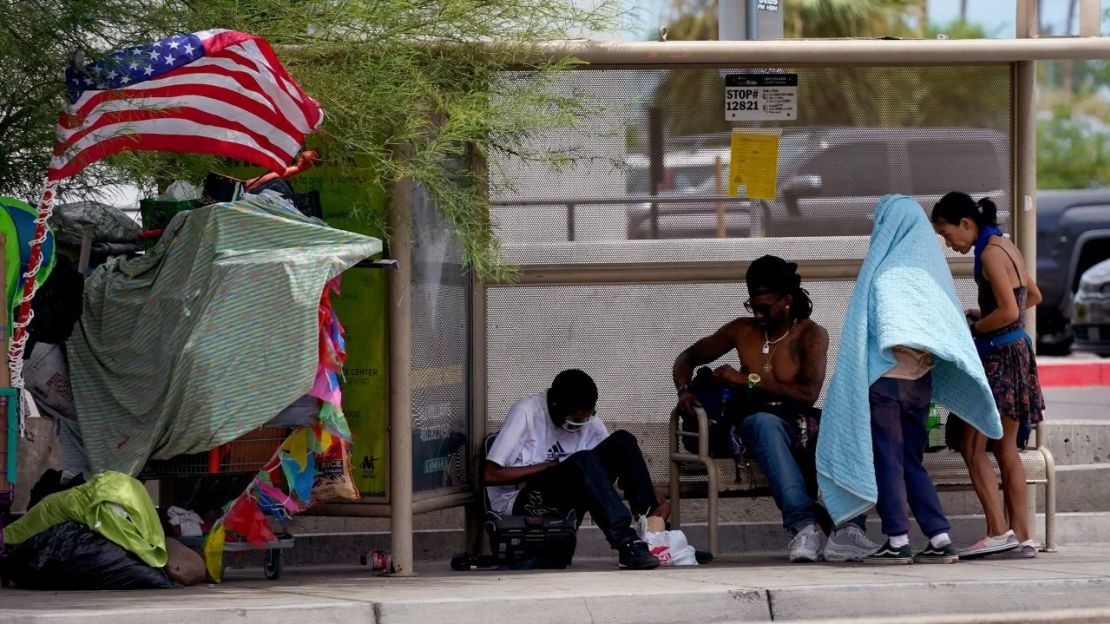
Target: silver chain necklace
768, 345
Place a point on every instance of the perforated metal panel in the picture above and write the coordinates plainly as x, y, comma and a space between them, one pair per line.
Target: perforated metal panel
440, 352
626, 337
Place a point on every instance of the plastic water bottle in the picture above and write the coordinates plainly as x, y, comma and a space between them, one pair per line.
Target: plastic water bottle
932, 424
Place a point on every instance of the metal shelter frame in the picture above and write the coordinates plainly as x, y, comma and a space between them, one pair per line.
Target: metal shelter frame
1019, 54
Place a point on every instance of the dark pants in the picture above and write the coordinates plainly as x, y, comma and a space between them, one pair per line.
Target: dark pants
584, 482
899, 409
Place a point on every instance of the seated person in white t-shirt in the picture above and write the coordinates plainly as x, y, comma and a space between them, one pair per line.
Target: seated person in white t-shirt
553, 455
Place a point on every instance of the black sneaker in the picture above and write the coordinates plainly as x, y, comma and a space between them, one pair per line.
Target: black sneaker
938, 554
635, 555
889, 555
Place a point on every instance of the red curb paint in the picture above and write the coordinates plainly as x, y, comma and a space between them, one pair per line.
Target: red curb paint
1078, 374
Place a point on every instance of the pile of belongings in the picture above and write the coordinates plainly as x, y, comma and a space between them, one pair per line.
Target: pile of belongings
224, 324
103, 534
209, 335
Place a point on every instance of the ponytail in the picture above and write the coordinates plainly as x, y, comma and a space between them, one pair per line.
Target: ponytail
988, 212
956, 206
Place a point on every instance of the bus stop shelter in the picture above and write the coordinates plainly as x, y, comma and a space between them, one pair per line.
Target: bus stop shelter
611, 279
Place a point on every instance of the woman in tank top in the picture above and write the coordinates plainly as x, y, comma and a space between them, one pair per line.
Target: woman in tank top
998, 326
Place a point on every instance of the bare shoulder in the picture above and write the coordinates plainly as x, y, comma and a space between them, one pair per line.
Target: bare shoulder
813, 333
810, 328
739, 327
1002, 249
997, 250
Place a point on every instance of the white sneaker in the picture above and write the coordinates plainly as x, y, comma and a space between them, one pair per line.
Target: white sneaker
849, 543
807, 545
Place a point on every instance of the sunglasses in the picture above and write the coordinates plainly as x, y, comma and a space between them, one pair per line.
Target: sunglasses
763, 308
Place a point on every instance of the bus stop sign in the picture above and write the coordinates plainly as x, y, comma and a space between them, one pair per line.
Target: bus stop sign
761, 97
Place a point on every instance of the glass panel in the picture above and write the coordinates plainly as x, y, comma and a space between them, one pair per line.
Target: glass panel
866, 131
440, 352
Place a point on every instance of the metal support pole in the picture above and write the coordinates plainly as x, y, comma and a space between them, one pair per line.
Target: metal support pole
1025, 187
729, 16
400, 372
656, 164
1049, 501
751, 21
87, 234
1090, 18
722, 228
1028, 22
478, 354
570, 222
1025, 174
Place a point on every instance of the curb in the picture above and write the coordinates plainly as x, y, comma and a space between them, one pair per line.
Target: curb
595, 596
433, 548
1073, 374
1071, 616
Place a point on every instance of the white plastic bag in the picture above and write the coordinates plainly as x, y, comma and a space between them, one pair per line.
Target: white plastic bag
670, 547
189, 523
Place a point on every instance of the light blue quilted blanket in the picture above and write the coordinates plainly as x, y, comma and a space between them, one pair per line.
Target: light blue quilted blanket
904, 295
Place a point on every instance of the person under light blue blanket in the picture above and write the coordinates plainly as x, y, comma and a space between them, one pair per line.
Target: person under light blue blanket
904, 341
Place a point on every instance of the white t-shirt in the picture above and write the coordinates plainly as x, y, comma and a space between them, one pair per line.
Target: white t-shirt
529, 437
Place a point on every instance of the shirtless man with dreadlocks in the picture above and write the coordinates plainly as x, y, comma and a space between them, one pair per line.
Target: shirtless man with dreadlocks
782, 354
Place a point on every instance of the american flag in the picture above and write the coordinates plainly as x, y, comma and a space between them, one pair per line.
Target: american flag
215, 92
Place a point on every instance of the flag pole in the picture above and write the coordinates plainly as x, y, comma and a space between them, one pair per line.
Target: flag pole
23, 315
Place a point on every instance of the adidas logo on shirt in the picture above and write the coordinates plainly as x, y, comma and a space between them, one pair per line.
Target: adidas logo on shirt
556, 452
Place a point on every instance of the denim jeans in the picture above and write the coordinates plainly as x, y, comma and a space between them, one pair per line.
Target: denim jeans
899, 409
771, 440
584, 482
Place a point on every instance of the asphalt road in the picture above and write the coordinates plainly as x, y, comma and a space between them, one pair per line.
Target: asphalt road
1077, 403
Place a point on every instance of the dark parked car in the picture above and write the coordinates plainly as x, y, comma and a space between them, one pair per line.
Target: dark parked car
829, 180
1073, 235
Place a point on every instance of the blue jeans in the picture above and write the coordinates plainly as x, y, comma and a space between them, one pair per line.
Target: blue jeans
899, 409
771, 440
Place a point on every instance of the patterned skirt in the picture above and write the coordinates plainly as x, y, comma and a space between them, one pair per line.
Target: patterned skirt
1012, 374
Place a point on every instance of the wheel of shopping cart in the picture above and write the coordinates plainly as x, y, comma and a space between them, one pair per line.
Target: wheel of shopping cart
273, 565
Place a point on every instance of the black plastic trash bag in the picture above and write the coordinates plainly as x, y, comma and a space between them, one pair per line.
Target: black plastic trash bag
72, 556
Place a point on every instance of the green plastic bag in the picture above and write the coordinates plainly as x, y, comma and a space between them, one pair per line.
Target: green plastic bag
113, 504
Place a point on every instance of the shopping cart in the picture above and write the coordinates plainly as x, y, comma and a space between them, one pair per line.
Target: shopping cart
244, 456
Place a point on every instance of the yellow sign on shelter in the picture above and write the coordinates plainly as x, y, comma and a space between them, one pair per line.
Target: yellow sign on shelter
754, 162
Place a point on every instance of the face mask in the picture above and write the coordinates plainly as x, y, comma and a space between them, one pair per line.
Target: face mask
575, 426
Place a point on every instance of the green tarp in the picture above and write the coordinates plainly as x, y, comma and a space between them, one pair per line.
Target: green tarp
209, 335
112, 504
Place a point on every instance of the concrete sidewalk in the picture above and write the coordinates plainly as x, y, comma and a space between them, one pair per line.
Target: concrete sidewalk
743, 589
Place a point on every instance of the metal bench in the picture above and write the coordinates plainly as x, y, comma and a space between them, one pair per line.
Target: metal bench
701, 476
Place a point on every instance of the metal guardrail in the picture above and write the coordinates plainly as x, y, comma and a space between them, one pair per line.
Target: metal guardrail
654, 200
